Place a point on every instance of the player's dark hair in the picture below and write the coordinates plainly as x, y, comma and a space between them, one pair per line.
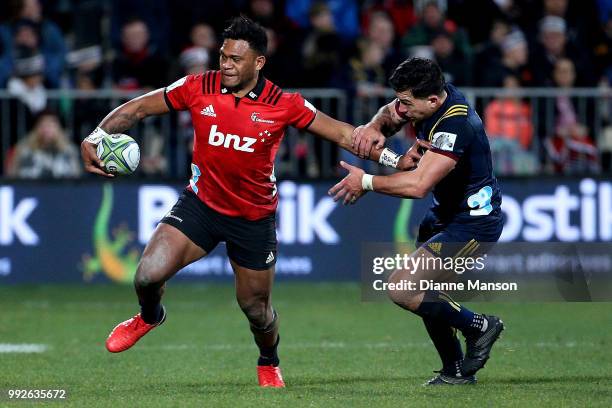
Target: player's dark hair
420, 76
243, 28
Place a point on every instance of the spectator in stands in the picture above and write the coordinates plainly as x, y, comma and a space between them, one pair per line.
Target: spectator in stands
46, 152
508, 117
323, 52
581, 18
138, 66
513, 62
401, 12
278, 59
381, 33
203, 35
153, 14
432, 21
602, 52
570, 149
87, 32
457, 67
26, 84
344, 15
50, 41
477, 17
554, 45
489, 53
285, 41
194, 60
367, 72
509, 126
87, 111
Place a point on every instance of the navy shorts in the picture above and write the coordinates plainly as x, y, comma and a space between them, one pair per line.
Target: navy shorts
250, 244
456, 239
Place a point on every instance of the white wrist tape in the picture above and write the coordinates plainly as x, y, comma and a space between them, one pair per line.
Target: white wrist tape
366, 182
96, 136
389, 158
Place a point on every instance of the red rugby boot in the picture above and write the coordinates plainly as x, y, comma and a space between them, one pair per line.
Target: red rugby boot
270, 376
127, 333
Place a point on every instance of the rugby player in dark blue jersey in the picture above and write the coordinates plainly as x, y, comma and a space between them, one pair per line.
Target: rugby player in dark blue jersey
456, 166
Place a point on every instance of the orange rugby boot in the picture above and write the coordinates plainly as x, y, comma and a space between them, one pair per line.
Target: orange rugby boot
270, 376
127, 333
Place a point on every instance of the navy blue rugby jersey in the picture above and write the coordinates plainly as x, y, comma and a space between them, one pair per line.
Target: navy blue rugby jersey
470, 191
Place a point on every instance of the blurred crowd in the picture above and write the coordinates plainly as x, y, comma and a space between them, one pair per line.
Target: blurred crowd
345, 44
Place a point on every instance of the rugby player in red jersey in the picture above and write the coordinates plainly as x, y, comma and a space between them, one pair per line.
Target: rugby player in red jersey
239, 119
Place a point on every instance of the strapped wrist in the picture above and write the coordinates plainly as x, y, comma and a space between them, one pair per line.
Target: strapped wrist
366, 182
96, 136
389, 158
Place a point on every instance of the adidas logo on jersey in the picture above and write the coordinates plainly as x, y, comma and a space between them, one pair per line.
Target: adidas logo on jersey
270, 258
209, 111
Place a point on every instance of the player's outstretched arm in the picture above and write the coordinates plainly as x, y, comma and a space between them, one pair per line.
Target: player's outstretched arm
341, 133
385, 123
432, 168
118, 121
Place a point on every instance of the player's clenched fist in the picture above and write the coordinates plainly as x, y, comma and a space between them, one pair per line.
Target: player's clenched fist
365, 137
410, 159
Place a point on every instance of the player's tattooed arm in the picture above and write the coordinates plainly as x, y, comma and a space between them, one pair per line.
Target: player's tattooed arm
127, 115
118, 121
387, 120
372, 136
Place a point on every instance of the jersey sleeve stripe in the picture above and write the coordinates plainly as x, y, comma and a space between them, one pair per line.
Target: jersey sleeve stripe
275, 101
445, 153
265, 98
204, 83
208, 82
272, 94
167, 100
214, 84
455, 110
310, 123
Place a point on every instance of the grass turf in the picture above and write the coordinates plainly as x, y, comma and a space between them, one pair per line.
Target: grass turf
335, 351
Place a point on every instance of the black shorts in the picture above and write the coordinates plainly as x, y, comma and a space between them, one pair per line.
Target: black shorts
459, 239
250, 244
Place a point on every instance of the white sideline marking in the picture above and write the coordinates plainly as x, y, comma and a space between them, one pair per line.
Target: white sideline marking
357, 345
22, 348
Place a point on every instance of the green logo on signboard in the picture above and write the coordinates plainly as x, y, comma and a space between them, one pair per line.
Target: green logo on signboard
110, 255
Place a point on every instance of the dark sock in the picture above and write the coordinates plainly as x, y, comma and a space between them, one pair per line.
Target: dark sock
151, 313
268, 355
445, 339
439, 306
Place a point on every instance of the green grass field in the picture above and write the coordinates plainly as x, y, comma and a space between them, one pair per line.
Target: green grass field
335, 351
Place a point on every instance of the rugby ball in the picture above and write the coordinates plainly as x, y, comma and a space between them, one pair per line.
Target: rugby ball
119, 153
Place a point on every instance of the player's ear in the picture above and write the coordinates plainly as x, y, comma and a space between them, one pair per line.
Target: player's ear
260, 61
433, 100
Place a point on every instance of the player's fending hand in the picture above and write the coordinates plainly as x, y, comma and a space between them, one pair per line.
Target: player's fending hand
350, 186
366, 136
91, 162
410, 159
